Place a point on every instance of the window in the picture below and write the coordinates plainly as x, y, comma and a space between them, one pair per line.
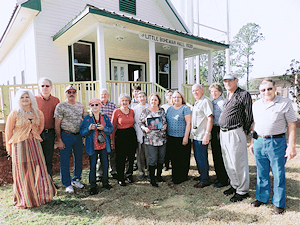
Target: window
163, 75
82, 61
128, 6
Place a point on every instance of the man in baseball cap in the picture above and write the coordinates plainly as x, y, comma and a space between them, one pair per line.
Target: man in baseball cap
70, 87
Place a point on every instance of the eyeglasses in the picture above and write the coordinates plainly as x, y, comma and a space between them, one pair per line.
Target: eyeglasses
268, 89
45, 86
71, 92
92, 105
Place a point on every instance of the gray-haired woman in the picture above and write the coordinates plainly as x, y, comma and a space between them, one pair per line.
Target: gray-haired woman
124, 138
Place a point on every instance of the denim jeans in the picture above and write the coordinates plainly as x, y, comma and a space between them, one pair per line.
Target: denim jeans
48, 137
102, 154
72, 143
156, 154
269, 154
201, 157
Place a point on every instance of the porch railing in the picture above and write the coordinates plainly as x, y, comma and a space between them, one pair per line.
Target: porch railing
85, 92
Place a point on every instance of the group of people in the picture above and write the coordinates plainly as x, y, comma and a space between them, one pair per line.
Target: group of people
154, 135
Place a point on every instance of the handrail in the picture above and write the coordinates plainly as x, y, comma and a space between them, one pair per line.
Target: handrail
86, 90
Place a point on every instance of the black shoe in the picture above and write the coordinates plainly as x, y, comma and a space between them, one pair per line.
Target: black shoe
114, 176
197, 178
216, 181
122, 183
107, 186
93, 191
129, 179
278, 210
219, 185
230, 191
160, 179
256, 203
238, 197
153, 183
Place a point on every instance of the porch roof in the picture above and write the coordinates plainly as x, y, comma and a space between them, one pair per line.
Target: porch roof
19, 21
86, 20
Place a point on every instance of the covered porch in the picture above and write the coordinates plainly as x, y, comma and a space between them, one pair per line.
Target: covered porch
154, 53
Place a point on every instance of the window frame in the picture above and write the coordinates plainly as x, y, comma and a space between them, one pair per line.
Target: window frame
92, 64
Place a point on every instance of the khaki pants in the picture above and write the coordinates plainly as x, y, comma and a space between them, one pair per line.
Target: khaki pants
235, 156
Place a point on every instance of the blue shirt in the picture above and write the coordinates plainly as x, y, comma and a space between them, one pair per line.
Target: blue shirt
176, 121
218, 108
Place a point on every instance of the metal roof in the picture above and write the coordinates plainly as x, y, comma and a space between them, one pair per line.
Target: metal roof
90, 9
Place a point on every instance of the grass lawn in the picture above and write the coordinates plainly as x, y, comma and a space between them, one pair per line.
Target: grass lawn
140, 203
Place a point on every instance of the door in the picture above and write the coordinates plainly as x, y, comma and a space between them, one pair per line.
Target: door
119, 73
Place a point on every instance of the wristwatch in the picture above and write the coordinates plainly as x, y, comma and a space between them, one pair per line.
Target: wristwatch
207, 133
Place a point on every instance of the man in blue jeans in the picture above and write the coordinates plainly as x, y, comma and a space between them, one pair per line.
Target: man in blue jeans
202, 123
68, 116
273, 117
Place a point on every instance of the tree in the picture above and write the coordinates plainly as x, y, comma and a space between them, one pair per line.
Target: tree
242, 49
292, 76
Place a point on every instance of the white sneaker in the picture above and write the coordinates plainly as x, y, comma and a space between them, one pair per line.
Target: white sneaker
77, 184
70, 189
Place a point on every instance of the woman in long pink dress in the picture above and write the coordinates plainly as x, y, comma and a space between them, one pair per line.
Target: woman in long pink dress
32, 185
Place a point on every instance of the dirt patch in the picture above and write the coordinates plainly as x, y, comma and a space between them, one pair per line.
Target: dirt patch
6, 169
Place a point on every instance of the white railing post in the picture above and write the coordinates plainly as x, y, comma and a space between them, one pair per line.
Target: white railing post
101, 56
152, 64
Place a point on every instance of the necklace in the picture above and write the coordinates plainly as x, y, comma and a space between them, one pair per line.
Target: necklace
28, 112
126, 114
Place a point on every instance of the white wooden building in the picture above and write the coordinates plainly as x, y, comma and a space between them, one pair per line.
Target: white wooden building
98, 40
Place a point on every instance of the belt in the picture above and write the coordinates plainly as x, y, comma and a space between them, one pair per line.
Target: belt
272, 136
68, 132
47, 130
228, 129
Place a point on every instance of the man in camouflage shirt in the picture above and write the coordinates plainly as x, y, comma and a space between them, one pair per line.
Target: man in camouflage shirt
68, 116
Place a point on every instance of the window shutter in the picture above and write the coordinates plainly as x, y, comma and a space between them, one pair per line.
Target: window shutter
128, 6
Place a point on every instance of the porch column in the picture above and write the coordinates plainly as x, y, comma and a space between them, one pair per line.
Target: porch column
152, 63
180, 69
191, 78
210, 68
101, 56
197, 70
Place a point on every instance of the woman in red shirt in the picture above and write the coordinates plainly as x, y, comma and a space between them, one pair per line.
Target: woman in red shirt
124, 138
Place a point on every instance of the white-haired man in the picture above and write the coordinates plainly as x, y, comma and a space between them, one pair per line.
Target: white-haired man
273, 117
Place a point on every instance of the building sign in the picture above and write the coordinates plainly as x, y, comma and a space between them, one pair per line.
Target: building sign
163, 40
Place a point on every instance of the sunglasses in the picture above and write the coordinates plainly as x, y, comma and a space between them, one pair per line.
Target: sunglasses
71, 92
92, 105
45, 85
268, 89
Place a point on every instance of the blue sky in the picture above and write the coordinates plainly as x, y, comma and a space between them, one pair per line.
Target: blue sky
279, 21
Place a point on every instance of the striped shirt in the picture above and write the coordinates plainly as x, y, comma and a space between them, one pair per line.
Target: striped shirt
272, 118
237, 111
108, 108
